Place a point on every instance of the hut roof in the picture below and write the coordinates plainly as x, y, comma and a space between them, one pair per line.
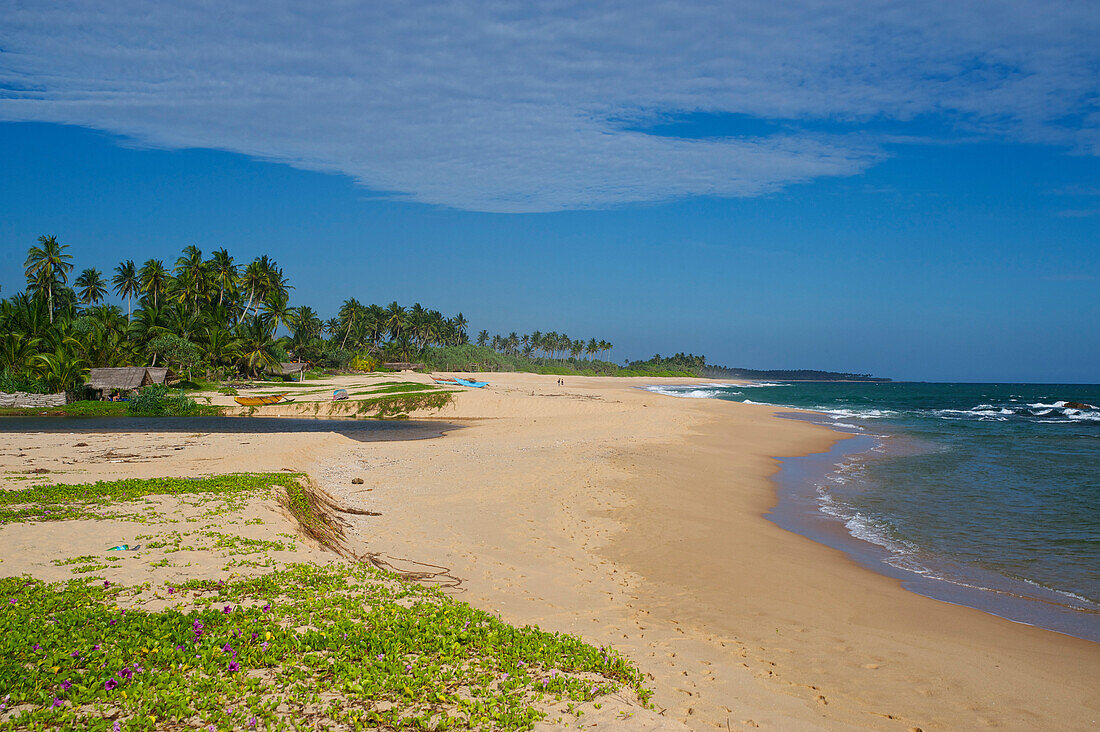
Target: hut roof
158, 375
404, 366
127, 377
288, 368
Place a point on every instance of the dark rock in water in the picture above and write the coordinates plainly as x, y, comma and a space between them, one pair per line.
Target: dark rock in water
1078, 405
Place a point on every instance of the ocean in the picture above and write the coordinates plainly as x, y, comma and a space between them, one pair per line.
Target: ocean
986, 495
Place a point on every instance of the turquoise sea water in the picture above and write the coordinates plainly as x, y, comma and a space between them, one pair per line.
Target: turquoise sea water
983, 494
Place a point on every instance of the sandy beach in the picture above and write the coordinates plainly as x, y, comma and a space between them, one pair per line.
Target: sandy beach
634, 520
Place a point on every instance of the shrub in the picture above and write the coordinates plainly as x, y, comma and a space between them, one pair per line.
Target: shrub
160, 401
365, 363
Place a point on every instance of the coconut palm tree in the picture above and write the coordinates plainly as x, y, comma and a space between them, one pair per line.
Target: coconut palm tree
154, 279
192, 277
91, 287
127, 282
483, 338
277, 310
255, 279
48, 265
395, 319
223, 272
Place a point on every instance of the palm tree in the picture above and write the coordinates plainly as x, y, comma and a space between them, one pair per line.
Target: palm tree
483, 338
277, 310
92, 287
395, 319
192, 278
460, 324
255, 279
223, 272
126, 282
48, 264
349, 313
154, 279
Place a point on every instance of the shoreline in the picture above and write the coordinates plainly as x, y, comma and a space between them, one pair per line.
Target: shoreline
638, 522
799, 511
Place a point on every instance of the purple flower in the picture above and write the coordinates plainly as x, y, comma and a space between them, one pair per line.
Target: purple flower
138, 669
266, 608
118, 727
110, 684
252, 722
66, 684
408, 667
56, 702
36, 647
114, 622
95, 647
171, 590
75, 654
234, 667
255, 636
126, 673
264, 646
227, 609
227, 648
196, 625
106, 584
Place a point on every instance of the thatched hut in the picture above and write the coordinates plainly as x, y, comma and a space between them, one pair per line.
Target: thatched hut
289, 369
127, 379
404, 366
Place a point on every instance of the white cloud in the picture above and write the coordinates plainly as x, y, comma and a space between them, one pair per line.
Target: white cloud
498, 107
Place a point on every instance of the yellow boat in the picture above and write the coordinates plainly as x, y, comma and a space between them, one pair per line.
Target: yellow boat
259, 401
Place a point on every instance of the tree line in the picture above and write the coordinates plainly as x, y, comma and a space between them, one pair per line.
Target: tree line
210, 315
551, 345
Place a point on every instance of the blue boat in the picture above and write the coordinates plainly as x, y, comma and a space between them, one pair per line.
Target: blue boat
475, 384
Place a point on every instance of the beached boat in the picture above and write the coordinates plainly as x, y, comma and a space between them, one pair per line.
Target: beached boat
475, 384
259, 401
339, 395
447, 381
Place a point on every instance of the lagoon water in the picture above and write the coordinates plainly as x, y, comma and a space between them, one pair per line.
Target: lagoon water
361, 430
982, 494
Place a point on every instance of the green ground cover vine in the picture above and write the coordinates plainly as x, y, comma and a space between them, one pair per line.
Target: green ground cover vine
60, 502
301, 648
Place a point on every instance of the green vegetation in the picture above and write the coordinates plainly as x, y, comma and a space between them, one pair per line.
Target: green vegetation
212, 320
206, 318
72, 409
160, 401
294, 647
297, 648
62, 502
471, 357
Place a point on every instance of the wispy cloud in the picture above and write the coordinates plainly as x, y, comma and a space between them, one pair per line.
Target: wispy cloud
501, 107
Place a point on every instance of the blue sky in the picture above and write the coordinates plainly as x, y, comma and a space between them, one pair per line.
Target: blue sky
914, 194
